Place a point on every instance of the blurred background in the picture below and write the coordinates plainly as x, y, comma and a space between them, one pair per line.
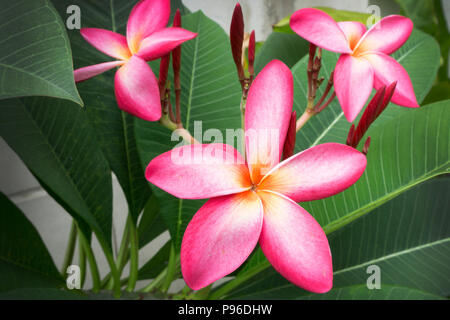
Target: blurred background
259, 15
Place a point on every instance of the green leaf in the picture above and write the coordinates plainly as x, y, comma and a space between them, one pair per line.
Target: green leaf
151, 223
408, 238
24, 258
210, 93
156, 264
58, 145
422, 14
337, 15
289, 48
35, 59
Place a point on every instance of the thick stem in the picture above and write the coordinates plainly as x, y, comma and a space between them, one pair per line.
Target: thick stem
92, 262
156, 282
70, 248
81, 263
171, 269
134, 255
304, 118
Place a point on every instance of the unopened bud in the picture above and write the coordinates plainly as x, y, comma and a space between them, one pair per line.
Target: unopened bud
237, 39
289, 143
251, 53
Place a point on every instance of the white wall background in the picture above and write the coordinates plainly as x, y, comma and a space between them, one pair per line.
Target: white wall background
53, 223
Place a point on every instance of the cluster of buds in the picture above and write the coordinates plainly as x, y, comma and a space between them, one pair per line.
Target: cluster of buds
164, 85
375, 107
238, 46
314, 82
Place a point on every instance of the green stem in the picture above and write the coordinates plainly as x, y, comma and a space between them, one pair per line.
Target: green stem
134, 255
156, 282
171, 268
92, 263
304, 118
70, 248
81, 262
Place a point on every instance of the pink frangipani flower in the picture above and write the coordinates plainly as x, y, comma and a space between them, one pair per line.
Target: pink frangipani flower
364, 62
255, 200
136, 87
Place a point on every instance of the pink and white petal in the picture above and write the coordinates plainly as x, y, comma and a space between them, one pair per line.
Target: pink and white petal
85, 73
267, 116
162, 42
353, 83
388, 70
146, 17
353, 31
137, 90
200, 171
295, 244
220, 238
386, 36
320, 29
108, 42
316, 173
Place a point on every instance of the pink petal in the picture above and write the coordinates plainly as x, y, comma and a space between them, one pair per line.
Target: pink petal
316, 173
137, 90
267, 114
162, 42
353, 83
386, 36
146, 17
199, 171
319, 28
388, 70
353, 31
108, 42
220, 238
85, 73
295, 244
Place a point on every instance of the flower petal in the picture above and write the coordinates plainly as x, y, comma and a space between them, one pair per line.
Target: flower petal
199, 171
162, 42
137, 90
388, 70
295, 244
353, 31
146, 17
386, 36
108, 42
220, 238
316, 173
319, 28
85, 73
353, 83
267, 114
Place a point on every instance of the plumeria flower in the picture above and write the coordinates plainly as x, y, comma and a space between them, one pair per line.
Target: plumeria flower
136, 87
256, 200
364, 62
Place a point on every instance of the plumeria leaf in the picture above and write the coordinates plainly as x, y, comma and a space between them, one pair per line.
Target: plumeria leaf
289, 48
58, 145
210, 92
35, 59
410, 230
24, 259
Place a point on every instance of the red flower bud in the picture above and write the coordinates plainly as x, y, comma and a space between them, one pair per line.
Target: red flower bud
251, 53
163, 71
237, 39
289, 144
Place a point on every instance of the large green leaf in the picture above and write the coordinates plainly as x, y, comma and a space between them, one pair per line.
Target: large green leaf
408, 238
289, 48
24, 259
210, 93
35, 56
58, 145
115, 128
